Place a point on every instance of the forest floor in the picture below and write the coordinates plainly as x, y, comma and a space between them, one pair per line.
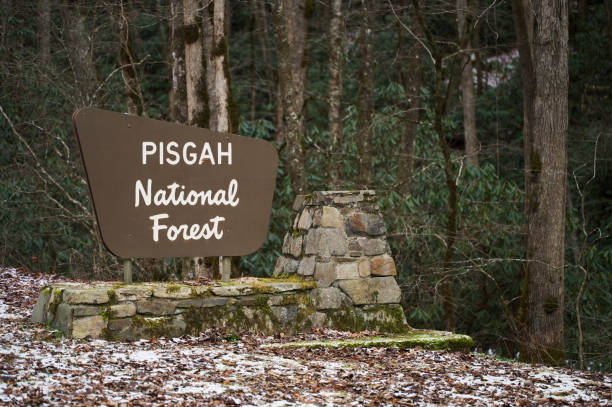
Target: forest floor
38, 368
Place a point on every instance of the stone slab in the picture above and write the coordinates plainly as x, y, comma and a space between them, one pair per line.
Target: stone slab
376, 290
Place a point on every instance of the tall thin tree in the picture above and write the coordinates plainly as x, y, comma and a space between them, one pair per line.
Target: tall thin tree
410, 70
543, 53
336, 55
198, 113
292, 30
467, 89
365, 108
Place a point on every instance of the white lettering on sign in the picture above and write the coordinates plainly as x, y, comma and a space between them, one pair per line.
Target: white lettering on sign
195, 231
175, 194
172, 153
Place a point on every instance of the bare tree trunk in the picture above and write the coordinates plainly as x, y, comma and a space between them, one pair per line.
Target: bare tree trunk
253, 66
411, 82
178, 90
198, 113
543, 296
366, 89
261, 25
80, 46
208, 47
195, 63
44, 31
292, 31
222, 101
467, 91
133, 92
336, 34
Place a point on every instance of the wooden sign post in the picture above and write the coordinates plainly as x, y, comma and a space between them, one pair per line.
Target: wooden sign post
166, 190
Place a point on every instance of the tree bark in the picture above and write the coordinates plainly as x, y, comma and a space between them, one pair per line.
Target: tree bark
261, 26
292, 32
411, 81
336, 35
224, 109
133, 92
546, 55
195, 63
44, 31
80, 46
198, 106
366, 90
467, 92
178, 90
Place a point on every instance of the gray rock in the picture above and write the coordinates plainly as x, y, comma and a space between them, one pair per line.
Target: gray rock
288, 299
318, 319
292, 245
189, 302
173, 291
285, 314
298, 202
326, 242
326, 298
39, 313
383, 266
342, 200
378, 290
85, 310
122, 329
202, 302
278, 267
123, 310
354, 247
248, 300
282, 287
364, 267
233, 290
88, 326
87, 296
365, 223
132, 293
155, 306
307, 266
347, 271
290, 266
63, 318
305, 219
119, 324
331, 218
376, 225
325, 273
373, 247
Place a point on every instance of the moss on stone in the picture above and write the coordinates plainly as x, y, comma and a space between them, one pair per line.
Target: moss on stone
106, 314
56, 299
112, 297
431, 340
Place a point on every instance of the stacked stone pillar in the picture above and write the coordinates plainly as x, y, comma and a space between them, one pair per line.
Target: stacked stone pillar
338, 239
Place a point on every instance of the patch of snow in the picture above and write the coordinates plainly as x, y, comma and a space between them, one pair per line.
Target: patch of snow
145, 356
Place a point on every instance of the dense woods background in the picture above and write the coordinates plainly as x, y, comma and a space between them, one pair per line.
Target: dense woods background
450, 110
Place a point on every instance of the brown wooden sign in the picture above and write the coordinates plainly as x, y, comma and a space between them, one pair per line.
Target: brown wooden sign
165, 190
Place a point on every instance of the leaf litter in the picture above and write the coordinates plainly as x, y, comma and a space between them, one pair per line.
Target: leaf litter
37, 367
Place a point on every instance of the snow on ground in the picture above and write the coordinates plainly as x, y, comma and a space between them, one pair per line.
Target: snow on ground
36, 368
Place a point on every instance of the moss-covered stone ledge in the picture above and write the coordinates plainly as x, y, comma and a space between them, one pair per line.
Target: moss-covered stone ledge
431, 340
118, 311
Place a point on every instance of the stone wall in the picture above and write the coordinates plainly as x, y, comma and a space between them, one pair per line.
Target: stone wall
336, 271
338, 239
